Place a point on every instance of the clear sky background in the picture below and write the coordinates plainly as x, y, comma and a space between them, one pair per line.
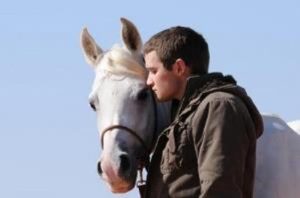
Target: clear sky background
49, 143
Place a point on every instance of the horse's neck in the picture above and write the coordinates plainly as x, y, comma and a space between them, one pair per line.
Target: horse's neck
163, 116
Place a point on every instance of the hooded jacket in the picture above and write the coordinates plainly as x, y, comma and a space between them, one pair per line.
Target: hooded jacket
209, 149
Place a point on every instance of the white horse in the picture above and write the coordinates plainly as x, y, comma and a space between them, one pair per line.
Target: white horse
125, 107
129, 124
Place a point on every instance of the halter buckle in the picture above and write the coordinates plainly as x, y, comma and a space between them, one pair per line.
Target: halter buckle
140, 181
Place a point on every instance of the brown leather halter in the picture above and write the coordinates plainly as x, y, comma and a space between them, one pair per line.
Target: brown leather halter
128, 130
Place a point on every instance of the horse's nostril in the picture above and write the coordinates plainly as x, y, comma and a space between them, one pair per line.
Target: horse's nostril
125, 163
99, 169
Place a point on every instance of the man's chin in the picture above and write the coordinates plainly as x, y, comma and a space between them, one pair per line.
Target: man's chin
160, 99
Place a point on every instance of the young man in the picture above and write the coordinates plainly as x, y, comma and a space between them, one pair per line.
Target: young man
209, 148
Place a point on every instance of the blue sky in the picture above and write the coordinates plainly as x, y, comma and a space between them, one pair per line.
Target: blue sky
49, 143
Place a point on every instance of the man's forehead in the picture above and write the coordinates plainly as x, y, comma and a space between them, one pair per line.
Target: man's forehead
152, 60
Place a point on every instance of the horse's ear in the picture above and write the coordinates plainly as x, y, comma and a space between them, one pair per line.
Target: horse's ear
91, 50
131, 36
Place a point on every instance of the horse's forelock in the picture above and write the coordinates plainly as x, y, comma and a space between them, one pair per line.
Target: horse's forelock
120, 61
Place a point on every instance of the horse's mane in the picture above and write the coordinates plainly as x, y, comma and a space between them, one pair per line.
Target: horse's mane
119, 61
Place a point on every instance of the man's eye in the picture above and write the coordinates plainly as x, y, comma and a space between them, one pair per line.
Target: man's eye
153, 71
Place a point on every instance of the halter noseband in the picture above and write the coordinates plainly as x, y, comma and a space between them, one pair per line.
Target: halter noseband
128, 130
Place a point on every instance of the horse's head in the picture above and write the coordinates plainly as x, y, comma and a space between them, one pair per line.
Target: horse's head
124, 106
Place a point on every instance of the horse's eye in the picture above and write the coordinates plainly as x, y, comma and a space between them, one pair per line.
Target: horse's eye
93, 105
142, 95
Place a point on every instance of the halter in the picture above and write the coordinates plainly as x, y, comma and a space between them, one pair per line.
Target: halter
128, 130
144, 161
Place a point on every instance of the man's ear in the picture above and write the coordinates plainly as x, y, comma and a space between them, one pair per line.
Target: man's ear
180, 68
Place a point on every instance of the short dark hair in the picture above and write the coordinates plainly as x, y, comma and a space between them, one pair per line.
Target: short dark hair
180, 42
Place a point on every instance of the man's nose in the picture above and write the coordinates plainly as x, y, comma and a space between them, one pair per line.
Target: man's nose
149, 81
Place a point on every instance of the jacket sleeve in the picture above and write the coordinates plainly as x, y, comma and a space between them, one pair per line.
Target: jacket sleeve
221, 144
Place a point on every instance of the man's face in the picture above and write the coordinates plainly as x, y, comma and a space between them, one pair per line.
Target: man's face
163, 82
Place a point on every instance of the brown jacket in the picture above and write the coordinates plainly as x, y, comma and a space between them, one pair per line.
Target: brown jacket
208, 151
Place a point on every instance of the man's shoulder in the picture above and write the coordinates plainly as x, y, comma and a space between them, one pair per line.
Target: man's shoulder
219, 99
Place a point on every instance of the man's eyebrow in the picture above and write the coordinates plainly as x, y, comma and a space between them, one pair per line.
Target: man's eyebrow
149, 67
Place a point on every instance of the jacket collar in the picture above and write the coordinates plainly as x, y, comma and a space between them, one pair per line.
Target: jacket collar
200, 84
